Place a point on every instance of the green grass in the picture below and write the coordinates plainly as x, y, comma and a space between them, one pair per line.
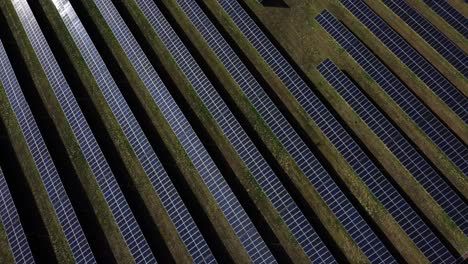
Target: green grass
460, 5
6, 255
178, 154
140, 180
56, 236
300, 40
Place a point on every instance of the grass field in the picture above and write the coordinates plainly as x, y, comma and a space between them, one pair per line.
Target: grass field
460, 6
6, 255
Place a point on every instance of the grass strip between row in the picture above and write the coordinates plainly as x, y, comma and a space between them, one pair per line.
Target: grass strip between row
6, 255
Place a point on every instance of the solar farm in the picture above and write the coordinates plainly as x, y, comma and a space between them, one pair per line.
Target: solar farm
233, 131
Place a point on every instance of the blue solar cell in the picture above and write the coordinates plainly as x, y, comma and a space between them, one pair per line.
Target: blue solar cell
188, 231
235, 215
408, 55
264, 175
88, 145
11, 223
49, 175
408, 219
456, 56
343, 209
429, 179
450, 14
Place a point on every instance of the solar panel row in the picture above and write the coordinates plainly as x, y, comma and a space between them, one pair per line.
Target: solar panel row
262, 172
49, 175
408, 55
88, 145
456, 56
9, 218
160, 180
421, 170
450, 14
343, 209
408, 219
455, 150
235, 214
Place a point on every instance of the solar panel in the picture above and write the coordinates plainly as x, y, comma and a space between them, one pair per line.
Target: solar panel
424, 173
454, 55
160, 180
234, 213
260, 169
88, 145
343, 209
52, 183
12, 225
396, 205
450, 15
408, 55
